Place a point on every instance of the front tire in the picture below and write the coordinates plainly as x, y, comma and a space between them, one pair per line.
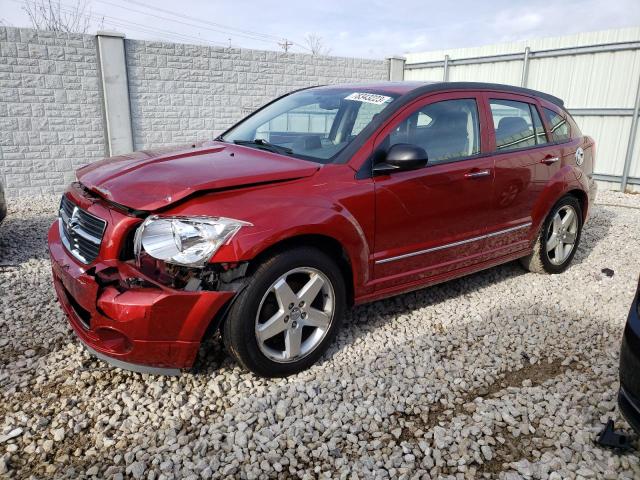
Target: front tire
288, 313
558, 239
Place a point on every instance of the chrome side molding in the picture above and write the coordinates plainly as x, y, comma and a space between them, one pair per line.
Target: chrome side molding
454, 244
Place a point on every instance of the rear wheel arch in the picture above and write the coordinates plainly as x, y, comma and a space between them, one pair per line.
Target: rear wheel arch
563, 183
539, 260
582, 198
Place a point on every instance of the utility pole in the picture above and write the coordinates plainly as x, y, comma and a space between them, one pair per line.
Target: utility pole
285, 44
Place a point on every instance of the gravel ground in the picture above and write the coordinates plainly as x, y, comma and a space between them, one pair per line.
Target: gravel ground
502, 374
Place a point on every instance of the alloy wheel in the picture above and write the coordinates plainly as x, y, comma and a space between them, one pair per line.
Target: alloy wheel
295, 315
562, 235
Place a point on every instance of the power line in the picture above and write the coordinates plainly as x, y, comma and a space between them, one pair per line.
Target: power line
127, 24
199, 20
259, 39
118, 22
253, 35
160, 33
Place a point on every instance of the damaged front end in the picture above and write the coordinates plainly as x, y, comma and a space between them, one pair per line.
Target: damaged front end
136, 312
213, 277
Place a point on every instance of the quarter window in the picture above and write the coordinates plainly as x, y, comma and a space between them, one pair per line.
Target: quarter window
559, 127
447, 130
514, 125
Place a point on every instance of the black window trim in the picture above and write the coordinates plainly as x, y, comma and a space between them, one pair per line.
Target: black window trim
516, 150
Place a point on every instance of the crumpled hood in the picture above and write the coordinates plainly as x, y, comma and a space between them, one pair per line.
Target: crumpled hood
149, 180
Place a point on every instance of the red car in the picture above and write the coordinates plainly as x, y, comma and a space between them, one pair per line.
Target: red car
325, 198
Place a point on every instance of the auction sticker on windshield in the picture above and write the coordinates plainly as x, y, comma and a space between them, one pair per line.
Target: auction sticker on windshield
368, 98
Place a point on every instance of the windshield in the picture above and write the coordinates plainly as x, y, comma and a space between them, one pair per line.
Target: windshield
311, 124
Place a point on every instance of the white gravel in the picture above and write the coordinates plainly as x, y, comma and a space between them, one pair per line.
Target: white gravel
503, 374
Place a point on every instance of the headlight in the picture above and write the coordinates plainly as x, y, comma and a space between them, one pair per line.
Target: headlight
188, 241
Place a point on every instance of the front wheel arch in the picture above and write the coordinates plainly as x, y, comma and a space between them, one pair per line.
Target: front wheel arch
325, 243
238, 331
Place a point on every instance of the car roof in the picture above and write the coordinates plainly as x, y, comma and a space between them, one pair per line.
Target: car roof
398, 88
414, 88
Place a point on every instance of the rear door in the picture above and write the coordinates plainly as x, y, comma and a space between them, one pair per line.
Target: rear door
524, 161
430, 221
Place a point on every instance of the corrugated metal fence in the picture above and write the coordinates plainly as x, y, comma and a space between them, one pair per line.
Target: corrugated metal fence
600, 84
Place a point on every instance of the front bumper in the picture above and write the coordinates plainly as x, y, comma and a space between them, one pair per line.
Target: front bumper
151, 329
629, 395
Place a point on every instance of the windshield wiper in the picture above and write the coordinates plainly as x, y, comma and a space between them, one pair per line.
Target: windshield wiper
260, 142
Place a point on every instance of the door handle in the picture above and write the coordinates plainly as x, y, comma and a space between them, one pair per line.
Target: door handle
549, 160
477, 173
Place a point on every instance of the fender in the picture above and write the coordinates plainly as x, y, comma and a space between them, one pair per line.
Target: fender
335, 223
327, 204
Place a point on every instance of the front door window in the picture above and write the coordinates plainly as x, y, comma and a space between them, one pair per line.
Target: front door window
447, 130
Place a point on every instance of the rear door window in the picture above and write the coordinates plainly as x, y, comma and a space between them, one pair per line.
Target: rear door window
514, 125
560, 131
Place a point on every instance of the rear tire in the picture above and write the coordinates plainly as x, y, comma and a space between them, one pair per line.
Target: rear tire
558, 239
288, 313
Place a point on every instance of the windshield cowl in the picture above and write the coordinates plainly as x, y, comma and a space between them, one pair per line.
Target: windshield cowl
263, 144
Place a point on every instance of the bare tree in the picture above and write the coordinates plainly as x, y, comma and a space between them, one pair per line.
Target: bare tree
316, 44
52, 15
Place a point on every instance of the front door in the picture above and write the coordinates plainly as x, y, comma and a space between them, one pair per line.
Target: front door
431, 221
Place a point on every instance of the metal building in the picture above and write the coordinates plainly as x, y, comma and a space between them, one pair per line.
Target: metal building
597, 74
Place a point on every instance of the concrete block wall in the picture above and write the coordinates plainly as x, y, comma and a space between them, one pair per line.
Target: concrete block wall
53, 108
50, 116
181, 93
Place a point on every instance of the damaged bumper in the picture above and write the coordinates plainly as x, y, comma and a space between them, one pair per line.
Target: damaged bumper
128, 319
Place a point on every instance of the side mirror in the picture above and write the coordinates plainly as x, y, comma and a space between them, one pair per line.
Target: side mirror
402, 156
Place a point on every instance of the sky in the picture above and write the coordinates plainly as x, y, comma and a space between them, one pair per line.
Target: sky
360, 28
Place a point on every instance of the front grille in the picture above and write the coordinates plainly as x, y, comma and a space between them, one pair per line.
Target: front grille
80, 231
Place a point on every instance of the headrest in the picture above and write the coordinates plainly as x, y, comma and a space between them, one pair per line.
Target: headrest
510, 125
